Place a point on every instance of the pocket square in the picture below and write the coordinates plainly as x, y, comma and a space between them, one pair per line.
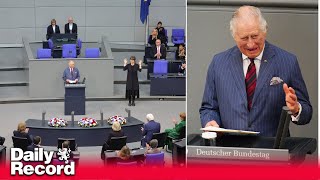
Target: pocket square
275, 81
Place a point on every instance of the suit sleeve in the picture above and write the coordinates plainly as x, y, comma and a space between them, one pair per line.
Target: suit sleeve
150, 39
64, 77
75, 28
164, 52
48, 30
144, 132
58, 30
66, 29
209, 109
78, 75
298, 84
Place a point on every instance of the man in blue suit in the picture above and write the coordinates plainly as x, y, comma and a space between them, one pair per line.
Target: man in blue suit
148, 129
248, 85
71, 74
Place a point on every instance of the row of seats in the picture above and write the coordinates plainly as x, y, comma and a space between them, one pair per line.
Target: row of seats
177, 37
68, 51
23, 143
161, 67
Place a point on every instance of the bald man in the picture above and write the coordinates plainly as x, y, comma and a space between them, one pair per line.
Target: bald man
71, 74
70, 27
248, 84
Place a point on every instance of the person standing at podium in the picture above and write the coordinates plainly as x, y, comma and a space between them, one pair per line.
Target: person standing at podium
248, 84
53, 28
71, 74
70, 27
132, 85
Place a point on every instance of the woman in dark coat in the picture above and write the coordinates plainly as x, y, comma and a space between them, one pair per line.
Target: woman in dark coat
132, 88
116, 132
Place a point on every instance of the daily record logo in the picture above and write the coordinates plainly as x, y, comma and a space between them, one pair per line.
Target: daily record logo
39, 162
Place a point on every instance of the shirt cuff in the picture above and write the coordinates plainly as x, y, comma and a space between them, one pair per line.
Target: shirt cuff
296, 118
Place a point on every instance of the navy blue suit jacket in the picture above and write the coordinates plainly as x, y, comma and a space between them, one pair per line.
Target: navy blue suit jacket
67, 74
150, 128
225, 99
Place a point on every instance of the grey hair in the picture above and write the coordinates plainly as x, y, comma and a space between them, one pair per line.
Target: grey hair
253, 12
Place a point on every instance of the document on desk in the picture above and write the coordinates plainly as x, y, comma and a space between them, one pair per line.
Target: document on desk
72, 82
216, 129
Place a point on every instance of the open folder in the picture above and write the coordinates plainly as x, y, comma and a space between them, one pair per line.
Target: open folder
216, 129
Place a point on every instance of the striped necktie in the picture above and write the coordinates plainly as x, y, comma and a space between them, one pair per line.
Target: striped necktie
251, 81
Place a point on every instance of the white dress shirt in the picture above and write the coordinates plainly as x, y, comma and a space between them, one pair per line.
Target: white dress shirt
54, 29
70, 27
257, 62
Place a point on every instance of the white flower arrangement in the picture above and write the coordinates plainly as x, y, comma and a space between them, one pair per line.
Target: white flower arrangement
116, 118
87, 122
57, 122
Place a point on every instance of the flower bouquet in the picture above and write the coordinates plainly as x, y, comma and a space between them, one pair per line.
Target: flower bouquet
117, 118
57, 122
87, 122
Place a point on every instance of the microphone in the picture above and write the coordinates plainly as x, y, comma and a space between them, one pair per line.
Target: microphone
84, 80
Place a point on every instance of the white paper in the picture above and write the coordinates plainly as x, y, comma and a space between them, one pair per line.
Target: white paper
72, 82
216, 129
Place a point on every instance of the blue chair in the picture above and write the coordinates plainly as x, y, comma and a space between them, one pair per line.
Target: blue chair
69, 51
178, 36
50, 43
92, 53
160, 67
155, 159
43, 53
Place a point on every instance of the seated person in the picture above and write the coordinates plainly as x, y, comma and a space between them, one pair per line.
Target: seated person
70, 27
159, 51
2, 139
153, 37
71, 74
183, 67
181, 52
23, 131
116, 132
124, 155
175, 132
52, 29
36, 143
148, 129
152, 147
161, 33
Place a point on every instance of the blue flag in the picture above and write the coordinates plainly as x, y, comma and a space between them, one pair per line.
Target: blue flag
144, 10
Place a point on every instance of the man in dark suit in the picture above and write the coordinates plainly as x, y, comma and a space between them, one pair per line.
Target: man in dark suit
148, 129
70, 27
248, 85
159, 51
52, 29
71, 74
36, 143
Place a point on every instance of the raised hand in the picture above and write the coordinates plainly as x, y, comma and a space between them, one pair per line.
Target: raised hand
291, 99
125, 61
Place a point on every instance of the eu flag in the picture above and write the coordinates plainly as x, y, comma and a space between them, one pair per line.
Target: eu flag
144, 10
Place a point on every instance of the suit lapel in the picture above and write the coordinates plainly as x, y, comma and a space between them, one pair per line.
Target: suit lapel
265, 70
236, 67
